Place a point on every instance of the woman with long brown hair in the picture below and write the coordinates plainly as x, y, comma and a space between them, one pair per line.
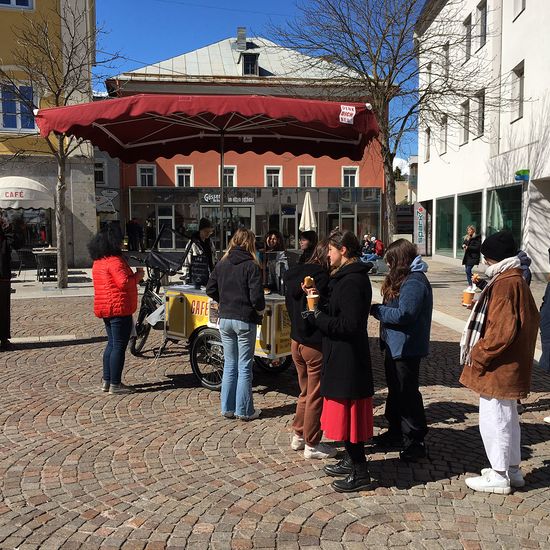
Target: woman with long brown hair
406, 317
236, 285
346, 380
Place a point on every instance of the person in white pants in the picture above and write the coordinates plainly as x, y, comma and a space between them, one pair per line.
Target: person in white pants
497, 350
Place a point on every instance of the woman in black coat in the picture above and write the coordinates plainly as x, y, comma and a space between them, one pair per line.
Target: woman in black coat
472, 254
346, 380
6, 239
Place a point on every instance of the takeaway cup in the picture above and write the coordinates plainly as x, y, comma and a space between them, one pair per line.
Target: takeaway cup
467, 297
312, 301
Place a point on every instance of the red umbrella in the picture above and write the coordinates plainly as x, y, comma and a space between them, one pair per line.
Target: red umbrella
149, 126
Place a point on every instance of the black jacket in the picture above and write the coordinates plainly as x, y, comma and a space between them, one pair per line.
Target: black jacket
301, 330
6, 242
347, 372
236, 285
472, 254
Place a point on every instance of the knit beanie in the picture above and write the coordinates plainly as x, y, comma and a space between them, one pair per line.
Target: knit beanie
499, 246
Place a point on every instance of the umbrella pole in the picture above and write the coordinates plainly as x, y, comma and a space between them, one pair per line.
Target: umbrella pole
222, 145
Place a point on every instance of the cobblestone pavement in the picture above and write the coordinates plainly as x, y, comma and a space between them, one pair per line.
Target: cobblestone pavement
162, 469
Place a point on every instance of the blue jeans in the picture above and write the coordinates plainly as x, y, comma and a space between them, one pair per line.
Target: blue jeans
469, 274
238, 339
118, 334
371, 257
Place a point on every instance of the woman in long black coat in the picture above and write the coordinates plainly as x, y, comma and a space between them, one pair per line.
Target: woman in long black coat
472, 255
346, 379
5, 284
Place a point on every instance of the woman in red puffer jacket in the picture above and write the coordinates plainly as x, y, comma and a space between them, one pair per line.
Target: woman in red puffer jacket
115, 300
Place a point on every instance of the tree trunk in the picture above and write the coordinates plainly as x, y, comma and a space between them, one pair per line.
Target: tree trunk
390, 208
60, 226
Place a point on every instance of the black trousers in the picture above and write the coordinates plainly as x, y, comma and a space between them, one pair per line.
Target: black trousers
404, 406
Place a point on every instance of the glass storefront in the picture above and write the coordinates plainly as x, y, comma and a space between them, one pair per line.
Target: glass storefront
468, 213
444, 226
504, 211
258, 209
33, 227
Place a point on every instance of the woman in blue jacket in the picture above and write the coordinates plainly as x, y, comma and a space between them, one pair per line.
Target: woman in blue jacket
406, 317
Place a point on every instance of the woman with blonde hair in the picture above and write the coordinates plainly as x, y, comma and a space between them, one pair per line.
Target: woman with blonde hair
236, 285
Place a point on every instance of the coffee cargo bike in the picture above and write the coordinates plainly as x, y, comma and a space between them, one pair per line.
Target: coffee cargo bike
145, 127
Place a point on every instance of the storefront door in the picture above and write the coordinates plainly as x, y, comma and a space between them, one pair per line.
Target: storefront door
234, 217
165, 216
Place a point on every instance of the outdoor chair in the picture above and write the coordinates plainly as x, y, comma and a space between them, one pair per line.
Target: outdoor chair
27, 260
47, 266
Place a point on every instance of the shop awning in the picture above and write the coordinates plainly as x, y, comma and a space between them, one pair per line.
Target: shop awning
20, 192
149, 126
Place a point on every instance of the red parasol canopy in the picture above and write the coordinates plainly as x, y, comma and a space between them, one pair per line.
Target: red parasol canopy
148, 126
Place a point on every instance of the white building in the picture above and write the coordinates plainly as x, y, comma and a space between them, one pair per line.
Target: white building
467, 168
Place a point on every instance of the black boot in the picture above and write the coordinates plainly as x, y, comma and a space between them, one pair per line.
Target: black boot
413, 451
342, 468
390, 439
357, 480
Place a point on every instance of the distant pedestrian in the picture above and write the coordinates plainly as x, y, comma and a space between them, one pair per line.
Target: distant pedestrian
115, 301
346, 379
405, 316
471, 245
377, 251
199, 263
236, 285
497, 350
6, 242
307, 354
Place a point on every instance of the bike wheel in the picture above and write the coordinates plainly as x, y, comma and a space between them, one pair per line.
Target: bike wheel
142, 333
273, 365
207, 358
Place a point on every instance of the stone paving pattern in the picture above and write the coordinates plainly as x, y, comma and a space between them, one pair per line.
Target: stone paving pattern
162, 469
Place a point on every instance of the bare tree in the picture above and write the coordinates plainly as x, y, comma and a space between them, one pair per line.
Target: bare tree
53, 54
416, 62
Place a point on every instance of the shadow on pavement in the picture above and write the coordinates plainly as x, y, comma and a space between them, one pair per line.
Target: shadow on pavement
64, 343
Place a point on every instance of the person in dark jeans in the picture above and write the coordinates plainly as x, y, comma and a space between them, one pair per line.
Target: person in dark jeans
406, 317
115, 301
471, 246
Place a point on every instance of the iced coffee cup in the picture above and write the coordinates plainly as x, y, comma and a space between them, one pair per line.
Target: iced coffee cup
312, 301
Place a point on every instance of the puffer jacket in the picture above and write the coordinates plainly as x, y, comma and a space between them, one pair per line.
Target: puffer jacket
115, 287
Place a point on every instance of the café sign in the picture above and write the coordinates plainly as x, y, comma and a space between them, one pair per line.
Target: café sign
230, 198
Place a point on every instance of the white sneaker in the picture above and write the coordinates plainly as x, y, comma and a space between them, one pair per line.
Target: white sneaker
256, 414
321, 450
515, 477
490, 482
547, 419
297, 443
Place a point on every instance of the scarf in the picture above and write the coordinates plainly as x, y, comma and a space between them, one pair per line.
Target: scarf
475, 325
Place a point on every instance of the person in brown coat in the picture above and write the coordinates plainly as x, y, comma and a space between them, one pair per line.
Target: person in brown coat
497, 350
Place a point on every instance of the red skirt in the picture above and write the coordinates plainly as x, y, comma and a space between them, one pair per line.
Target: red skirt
347, 419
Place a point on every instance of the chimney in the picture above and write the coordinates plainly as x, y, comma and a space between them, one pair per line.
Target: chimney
241, 39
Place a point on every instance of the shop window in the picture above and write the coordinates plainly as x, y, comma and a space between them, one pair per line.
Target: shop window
468, 212
229, 176
504, 211
518, 76
22, 4
349, 176
306, 176
444, 226
184, 176
146, 175
16, 107
100, 176
273, 176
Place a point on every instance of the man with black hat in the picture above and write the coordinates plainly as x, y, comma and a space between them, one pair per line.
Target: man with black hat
497, 350
199, 262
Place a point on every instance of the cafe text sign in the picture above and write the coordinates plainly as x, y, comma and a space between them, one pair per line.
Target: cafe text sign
13, 194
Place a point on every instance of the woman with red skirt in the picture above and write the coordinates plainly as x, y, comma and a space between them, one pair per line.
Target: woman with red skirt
346, 380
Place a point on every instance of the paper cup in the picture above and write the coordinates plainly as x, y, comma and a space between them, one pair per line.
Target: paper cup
312, 301
467, 297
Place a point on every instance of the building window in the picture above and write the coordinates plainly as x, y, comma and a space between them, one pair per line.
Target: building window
229, 176
482, 23
306, 176
504, 208
444, 134
444, 225
349, 176
184, 176
518, 77
468, 212
427, 142
273, 176
465, 116
16, 108
147, 175
519, 7
467, 37
428, 75
100, 173
480, 115
446, 61
250, 64
22, 4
